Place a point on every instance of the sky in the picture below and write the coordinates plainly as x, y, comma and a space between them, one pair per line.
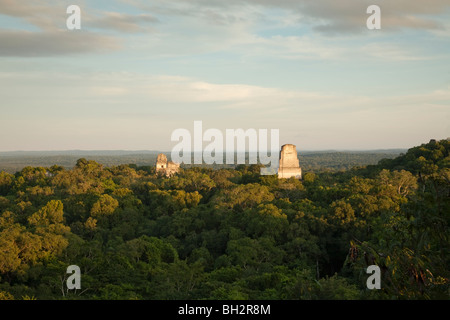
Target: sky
138, 70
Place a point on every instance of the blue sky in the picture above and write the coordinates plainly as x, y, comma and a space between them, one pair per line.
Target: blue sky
138, 70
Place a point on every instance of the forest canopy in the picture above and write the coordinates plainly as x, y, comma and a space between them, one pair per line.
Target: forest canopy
228, 233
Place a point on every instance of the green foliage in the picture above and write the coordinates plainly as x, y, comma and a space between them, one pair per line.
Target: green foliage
243, 196
106, 205
6, 296
229, 233
6, 182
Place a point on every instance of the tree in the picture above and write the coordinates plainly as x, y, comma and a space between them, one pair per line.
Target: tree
52, 213
266, 221
243, 196
105, 206
342, 212
6, 182
402, 182
48, 225
190, 181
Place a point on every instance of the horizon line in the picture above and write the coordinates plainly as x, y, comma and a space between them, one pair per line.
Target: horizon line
168, 151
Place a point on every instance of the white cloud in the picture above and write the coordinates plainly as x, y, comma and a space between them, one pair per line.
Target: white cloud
53, 38
327, 16
144, 110
183, 28
53, 43
391, 51
121, 22
250, 64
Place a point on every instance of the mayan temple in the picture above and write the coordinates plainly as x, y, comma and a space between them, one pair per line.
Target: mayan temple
289, 164
167, 168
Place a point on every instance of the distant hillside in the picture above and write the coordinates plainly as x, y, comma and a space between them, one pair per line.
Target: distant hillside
309, 160
337, 161
84, 153
425, 158
16, 162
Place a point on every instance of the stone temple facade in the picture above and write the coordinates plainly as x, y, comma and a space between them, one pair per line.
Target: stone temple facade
289, 164
167, 168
